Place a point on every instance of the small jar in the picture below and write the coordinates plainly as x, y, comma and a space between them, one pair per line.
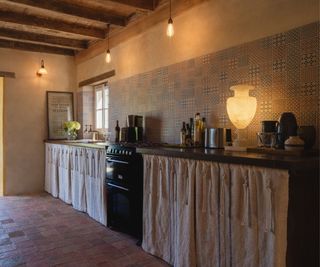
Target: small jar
294, 143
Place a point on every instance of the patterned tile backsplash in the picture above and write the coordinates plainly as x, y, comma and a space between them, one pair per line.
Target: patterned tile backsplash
284, 68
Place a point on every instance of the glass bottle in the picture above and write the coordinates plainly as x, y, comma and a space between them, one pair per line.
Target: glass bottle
203, 127
183, 133
191, 130
197, 129
117, 129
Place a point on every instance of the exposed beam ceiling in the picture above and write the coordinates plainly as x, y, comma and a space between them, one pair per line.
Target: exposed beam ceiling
35, 47
66, 26
79, 27
141, 4
52, 24
44, 39
75, 10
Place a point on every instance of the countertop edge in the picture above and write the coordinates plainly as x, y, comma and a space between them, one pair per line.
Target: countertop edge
292, 163
84, 145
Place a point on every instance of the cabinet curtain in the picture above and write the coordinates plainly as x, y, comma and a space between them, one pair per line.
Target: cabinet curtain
64, 174
168, 222
51, 174
76, 175
206, 214
94, 184
78, 179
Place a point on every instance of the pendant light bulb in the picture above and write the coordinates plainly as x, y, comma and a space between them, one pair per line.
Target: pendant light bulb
108, 56
42, 70
170, 29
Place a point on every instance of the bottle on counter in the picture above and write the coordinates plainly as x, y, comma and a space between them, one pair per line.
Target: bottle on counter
117, 129
197, 129
183, 134
188, 135
191, 130
203, 127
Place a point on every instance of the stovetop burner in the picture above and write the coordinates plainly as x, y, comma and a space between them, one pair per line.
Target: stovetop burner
129, 149
139, 144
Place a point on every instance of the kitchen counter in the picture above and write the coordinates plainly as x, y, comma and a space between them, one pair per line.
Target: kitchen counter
80, 143
292, 162
249, 158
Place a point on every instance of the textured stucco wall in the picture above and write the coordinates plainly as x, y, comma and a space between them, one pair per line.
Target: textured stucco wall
203, 29
25, 115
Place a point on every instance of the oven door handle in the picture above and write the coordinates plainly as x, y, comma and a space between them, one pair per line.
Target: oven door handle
117, 161
119, 187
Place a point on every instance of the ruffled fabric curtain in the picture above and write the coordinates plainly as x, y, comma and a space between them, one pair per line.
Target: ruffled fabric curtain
76, 175
78, 189
201, 213
168, 205
51, 175
64, 174
94, 185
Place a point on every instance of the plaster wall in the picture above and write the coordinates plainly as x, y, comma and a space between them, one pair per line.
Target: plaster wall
25, 114
205, 28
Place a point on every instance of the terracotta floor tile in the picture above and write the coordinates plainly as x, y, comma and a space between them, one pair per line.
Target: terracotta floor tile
5, 241
16, 234
12, 261
7, 221
41, 231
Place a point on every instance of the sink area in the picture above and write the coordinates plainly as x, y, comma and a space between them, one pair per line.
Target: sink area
87, 141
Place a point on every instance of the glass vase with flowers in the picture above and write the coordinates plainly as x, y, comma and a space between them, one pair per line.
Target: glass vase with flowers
71, 128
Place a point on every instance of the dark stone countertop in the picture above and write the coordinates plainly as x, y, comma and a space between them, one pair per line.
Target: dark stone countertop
290, 162
80, 143
308, 163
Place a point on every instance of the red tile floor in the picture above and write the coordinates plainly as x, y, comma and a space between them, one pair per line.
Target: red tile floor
44, 231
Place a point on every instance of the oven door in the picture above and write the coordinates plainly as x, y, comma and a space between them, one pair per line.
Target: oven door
122, 209
117, 169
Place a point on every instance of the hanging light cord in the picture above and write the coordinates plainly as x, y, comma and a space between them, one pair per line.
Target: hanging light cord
170, 8
108, 36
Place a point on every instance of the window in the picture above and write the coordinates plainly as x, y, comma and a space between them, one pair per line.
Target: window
102, 106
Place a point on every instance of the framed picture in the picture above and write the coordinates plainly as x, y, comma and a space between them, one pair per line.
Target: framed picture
59, 110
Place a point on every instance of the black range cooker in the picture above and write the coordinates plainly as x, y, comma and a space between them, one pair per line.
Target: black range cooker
124, 182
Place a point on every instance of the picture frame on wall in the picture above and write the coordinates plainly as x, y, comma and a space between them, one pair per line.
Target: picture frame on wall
60, 109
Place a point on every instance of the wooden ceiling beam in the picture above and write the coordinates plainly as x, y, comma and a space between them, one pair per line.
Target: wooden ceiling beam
42, 38
35, 47
140, 4
75, 10
53, 24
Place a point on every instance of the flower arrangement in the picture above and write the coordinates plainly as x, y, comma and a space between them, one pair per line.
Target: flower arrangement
71, 128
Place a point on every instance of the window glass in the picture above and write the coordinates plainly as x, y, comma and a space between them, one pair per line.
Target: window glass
99, 99
106, 118
102, 106
99, 119
106, 101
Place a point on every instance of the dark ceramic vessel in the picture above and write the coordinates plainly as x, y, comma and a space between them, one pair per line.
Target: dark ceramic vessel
269, 126
287, 127
308, 135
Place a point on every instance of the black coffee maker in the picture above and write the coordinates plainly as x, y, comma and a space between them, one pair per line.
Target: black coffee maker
134, 132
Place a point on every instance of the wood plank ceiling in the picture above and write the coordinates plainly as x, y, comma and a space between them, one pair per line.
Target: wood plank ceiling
66, 26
